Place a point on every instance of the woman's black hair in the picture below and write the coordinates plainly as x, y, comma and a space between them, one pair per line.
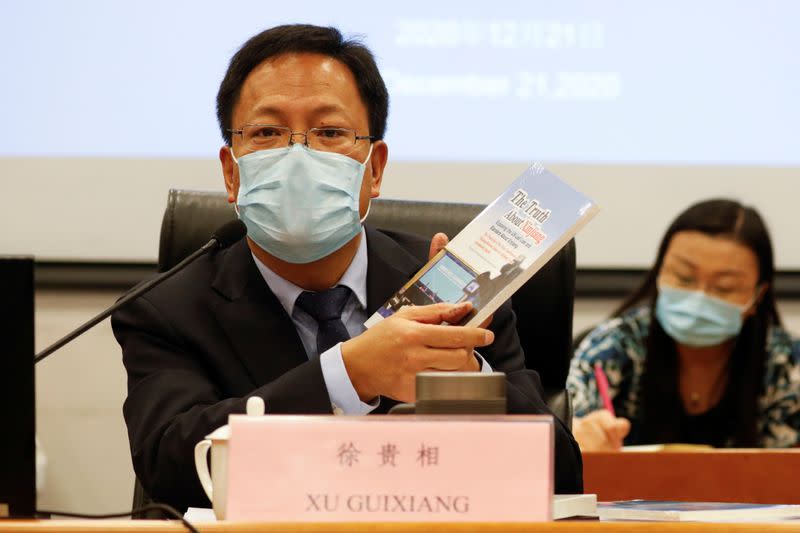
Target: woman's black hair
305, 38
661, 403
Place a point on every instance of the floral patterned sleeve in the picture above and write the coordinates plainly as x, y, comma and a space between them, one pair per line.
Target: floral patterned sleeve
618, 345
780, 404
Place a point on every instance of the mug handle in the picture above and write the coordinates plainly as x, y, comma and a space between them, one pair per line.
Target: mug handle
402, 409
201, 465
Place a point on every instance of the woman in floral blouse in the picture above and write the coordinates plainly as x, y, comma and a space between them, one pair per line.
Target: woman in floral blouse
698, 353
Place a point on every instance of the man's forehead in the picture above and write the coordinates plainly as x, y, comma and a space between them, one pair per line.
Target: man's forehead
300, 71
299, 79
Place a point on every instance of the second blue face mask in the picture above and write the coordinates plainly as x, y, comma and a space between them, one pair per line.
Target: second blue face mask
695, 319
298, 204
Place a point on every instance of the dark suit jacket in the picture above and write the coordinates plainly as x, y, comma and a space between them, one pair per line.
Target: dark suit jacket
198, 345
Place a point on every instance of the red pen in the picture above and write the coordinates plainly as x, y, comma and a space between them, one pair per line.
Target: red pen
602, 387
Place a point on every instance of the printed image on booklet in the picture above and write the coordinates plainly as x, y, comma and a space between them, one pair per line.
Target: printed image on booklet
500, 249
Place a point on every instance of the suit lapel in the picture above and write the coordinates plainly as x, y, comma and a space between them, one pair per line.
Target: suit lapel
390, 267
263, 336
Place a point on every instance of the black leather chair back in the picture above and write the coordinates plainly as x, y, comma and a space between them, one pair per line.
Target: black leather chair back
543, 306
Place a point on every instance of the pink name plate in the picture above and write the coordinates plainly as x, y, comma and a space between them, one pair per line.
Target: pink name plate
383, 469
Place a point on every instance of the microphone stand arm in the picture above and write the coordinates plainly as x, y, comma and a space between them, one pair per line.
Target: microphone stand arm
135, 293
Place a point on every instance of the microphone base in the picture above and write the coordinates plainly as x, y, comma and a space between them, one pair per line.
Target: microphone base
451, 407
461, 407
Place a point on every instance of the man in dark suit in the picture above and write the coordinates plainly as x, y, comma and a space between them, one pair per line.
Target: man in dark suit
280, 314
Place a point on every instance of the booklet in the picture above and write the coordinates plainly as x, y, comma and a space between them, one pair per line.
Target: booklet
668, 447
695, 511
574, 505
500, 249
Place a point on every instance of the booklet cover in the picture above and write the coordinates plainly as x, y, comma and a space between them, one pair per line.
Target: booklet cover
496, 253
695, 511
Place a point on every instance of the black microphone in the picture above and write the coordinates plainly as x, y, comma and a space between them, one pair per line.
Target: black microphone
225, 235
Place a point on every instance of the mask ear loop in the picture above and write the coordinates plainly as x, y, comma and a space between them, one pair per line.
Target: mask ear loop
756, 299
362, 219
369, 154
369, 202
235, 160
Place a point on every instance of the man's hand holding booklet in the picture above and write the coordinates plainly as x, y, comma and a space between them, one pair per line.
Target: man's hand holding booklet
496, 253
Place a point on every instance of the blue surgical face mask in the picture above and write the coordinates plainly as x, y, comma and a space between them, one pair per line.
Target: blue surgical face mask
694, 318
299, 204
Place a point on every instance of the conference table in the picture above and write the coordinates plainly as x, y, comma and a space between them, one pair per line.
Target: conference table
156, 526
721, 475
735, 475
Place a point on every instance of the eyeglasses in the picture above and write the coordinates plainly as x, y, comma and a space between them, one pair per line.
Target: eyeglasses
265, 136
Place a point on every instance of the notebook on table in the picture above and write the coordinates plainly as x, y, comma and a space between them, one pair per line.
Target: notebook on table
672, 511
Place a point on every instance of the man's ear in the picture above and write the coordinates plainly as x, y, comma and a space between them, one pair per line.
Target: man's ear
378, 159
230, 171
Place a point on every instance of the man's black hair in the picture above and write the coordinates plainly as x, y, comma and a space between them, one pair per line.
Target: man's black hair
300, 38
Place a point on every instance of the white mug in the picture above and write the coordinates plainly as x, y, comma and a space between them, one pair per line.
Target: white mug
215, 483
